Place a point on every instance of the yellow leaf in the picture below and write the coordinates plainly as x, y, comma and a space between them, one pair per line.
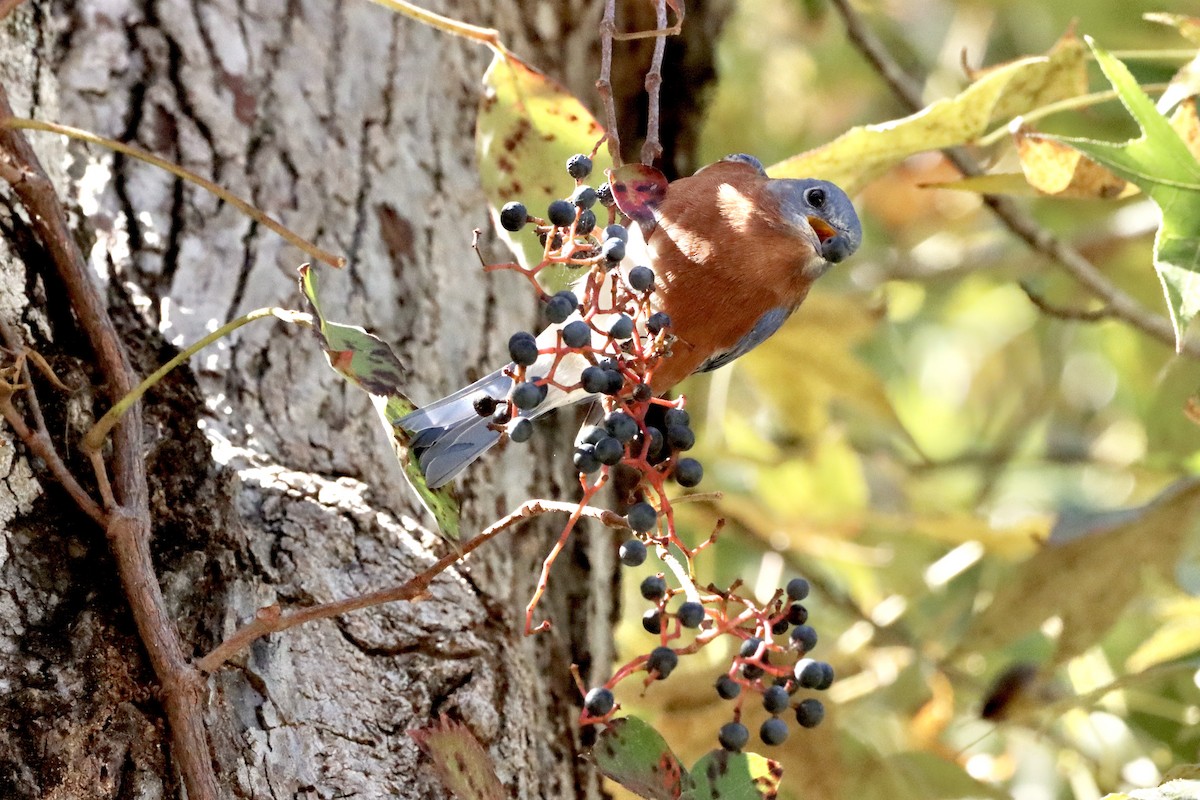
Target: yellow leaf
862, 154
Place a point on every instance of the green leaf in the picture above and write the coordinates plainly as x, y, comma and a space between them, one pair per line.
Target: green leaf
1088, 580
636, 756
862, 154
527, 128
721, 775
366, 361
1161, 165
461, 763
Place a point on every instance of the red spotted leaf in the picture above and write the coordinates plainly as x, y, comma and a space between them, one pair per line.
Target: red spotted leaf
721, 775
636, 756
461, 763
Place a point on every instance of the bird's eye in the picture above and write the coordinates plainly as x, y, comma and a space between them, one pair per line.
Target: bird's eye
815, 197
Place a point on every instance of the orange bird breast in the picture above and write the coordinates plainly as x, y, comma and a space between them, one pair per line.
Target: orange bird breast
723, 260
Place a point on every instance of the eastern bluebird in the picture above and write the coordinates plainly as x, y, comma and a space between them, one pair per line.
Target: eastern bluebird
734, 253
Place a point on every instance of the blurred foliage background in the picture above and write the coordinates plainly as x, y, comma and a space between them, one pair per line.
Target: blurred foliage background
980, 491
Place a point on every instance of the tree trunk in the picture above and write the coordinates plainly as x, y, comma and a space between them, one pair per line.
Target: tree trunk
270, 479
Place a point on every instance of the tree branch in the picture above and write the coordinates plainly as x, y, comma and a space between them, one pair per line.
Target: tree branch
272, 620
128, 524
608, 27
652, 147
1119, 305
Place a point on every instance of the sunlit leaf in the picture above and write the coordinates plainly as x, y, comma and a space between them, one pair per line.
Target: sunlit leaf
527, 128
462, 764
1172, 790
862, 154
721, 775
1088, 580
368, 362
1056, 169
636, 756
1161, 165
1178, 636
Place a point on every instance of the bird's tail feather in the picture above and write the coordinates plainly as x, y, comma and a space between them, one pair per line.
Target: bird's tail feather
448, 434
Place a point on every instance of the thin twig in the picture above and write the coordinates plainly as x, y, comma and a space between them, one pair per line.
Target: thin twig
652, 148
187, 175
1061, 312
604, 83
128, 525
94, 438
1121, 306
476, 33
272, 620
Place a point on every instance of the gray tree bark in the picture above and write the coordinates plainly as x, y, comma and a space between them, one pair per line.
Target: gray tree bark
271, 480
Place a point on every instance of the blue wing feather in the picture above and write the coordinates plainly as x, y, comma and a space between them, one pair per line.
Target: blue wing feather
767, 324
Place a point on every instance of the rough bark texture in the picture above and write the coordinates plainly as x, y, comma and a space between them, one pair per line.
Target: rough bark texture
270, 480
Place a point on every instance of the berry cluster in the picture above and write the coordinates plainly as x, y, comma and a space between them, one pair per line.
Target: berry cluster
606, 338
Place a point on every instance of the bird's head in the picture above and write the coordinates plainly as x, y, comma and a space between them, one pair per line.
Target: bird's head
821, 213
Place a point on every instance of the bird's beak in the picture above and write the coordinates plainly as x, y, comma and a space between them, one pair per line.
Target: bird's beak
834, 247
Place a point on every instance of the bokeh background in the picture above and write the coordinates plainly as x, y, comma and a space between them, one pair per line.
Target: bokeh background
979, 491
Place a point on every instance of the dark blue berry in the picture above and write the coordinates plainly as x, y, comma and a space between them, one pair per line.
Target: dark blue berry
584, 197
733, 736
810, 712
797, 614
502, 414
576, 334
609, 451
632, 553
561, 306
599, 701
604, 195
616, 382
587, 222
641, 278
527, 395
485, 405
688, 472
804, 637
773, 731
561, 213
652, 621
585, 459
658, 321
797, 589
751, 671
621, 426
662, 661
680, 437
826, 676
642, 392
594, 379
775, 699
808, 673
656, 443
653, 588
592, 434
779, 627
616, 232
728, 688
579, 166
513, 216
613, 250
642, 517
749, 647
622, 328
690, 614
523, 348
677, 416
522, 431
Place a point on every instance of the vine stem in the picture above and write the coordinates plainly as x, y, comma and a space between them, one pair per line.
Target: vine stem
272, 620
94, 438
249, 210
465, 30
